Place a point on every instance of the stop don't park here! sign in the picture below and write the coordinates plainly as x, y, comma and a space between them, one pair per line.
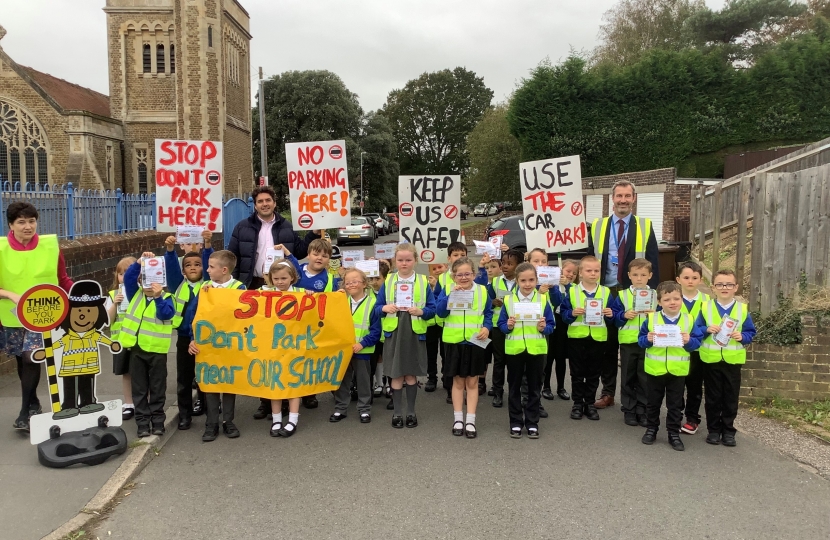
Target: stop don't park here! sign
428, 209
318, 184
188, 184
554, 216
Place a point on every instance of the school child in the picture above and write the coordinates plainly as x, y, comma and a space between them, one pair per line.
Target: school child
366, 318
116, 307
376, 357
147, 329
434, 329
501, 287
405, 331
689, 276
282, 276
558, 339
525, 347
493, 268
632, 355
666, 367
722, 363
465, 361
186, 282
220, 266
586, 342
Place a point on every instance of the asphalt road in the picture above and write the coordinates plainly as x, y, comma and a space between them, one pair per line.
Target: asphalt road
581, 479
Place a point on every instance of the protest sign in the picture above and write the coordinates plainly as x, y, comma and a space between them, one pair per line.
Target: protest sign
554, 215
272, 344
429, 214
318, 185
188, 184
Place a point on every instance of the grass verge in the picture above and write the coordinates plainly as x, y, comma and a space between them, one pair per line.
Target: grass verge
811, 417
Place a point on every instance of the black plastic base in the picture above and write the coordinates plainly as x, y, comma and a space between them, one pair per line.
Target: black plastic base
91, 446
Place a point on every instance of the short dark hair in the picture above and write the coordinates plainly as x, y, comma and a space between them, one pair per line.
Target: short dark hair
264, 189
691, 265
668, 287
514, 255
17, 210
725, 272
456, 246
640, 263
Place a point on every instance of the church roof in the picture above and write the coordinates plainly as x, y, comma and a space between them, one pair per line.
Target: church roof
70, 96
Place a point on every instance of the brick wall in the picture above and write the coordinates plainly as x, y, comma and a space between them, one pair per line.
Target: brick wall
794, 372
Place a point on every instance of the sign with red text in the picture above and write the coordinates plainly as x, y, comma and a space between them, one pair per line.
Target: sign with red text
428, 208
318, 185
188, 184
554, 216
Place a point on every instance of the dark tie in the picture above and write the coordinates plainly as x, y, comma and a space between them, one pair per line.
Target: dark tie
620, 250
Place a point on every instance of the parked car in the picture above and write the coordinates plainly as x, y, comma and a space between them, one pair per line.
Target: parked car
512, 228
393, 218
480, 210
492, 210
361, 231
381, 224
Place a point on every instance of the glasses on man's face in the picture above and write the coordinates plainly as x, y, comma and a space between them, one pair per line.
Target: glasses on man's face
354, 284
727, 286
465, 275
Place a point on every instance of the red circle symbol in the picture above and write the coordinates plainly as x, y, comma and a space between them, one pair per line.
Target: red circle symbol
153, 262
576, 208
451, 211
213, 178
305, 221
594, 303
336, 151
50, 308
427, 256
404, 287
405, 209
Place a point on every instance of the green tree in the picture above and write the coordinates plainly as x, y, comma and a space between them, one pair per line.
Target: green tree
431, 117
306, 106
494, 160
380, 165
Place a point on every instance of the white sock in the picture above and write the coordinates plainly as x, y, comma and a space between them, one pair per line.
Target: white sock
127, 406
293, 418
459, 416
471, 419
379, 375
277, 418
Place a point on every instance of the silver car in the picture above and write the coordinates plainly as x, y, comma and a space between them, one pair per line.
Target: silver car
361, 231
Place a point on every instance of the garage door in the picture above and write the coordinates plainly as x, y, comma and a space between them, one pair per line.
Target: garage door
650, 205
593, 208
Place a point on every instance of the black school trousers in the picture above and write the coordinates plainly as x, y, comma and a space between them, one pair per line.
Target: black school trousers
585, 358
610, 360
434, 345
694, 388
668, 386
634, 384
529, 366
148, 372
722, 384
499, 361
557, 354
185, 373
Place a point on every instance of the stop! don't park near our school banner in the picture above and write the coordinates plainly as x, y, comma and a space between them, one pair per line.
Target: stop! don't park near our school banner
271, 344
188, 184
554, 215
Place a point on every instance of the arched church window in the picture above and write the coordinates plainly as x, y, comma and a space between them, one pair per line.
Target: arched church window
146, 58
159, 58
23, 144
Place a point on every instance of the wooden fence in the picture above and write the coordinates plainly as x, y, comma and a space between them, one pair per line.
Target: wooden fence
788, 216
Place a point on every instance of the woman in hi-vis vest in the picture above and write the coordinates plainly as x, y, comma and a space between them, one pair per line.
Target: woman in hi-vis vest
26, 260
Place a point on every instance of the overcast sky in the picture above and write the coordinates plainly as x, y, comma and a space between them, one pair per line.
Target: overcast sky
374, 45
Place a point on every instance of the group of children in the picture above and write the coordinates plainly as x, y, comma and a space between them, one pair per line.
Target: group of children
473, 315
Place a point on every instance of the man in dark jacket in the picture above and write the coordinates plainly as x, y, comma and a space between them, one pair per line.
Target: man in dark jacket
616, 241
250, 239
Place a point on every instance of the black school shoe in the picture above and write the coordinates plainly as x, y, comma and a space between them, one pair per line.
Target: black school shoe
411, 421
230, 430
143, 431
158, 430
198, 408
591, 412
397, 422
431, 386
728, 439
675, 442
310, 402
642, 420
547, 393
563, 394
630, 419
498, 401
576, 412
390, 406
649, 436
713, 438
211, 432
542, 412
184, 423
458, 431
336, 417
262, 411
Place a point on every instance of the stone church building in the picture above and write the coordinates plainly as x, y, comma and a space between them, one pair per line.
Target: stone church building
178, 69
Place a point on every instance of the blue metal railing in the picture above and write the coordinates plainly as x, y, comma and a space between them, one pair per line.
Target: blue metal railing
74, 213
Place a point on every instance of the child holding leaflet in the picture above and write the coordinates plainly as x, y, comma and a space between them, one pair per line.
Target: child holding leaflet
116, 307
724, 327
632, 356
367, 331
689, 275
464, 324
558, 339
525, 347
539, 257
501, 287
376, 358
667, 364
407, 301
587, 335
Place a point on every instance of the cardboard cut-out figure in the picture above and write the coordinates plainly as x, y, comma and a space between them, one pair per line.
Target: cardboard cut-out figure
80, 361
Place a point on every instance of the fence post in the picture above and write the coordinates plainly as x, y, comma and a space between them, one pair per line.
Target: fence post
740, 252
701, 224
70, 212
153, 211
119, 212
716, 215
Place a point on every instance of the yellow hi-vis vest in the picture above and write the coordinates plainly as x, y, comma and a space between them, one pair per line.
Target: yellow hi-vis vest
462, 325
419, 297
630, 331
578, 328
360, 318
662, 360
446, 283
143, 328
182, 296
22, 270
700, 301
525, 335
500, 284
710, 351
115, 326
640, 241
